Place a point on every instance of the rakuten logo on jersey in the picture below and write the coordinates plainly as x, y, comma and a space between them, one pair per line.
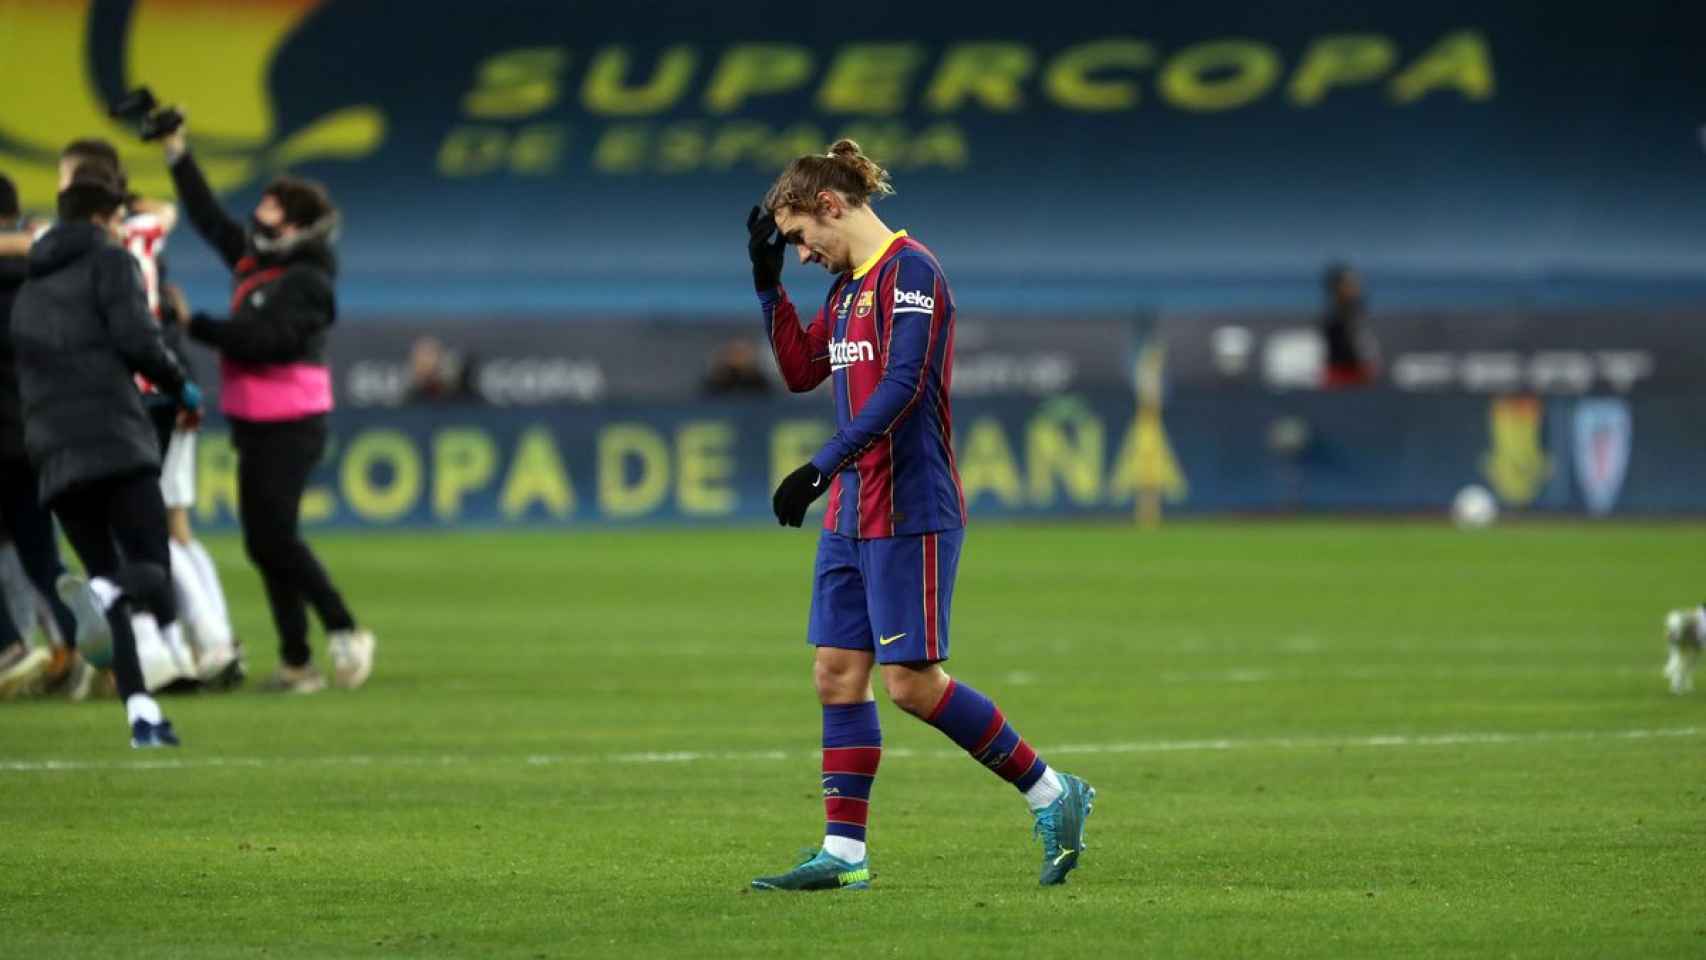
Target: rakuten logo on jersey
913, 300
845, 353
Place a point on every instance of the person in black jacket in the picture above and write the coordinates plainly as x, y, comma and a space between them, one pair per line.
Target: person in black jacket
276, 390
20, 666
81, 331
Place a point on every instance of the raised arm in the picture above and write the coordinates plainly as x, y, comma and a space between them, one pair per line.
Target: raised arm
210, 220
801, 354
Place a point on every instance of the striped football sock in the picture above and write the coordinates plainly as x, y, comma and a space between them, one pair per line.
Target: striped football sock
852, 749
973, 721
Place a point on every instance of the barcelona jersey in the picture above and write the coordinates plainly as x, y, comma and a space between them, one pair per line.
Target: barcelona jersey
885, 339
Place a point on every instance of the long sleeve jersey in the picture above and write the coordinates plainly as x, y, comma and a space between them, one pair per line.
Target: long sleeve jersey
885, 339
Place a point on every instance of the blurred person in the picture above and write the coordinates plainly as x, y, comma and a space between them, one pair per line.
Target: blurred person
1685, 631
438, 374
884, 576
209, 657
276, 390
82, 331
734, 371
25, 523
1350, 361
21, 667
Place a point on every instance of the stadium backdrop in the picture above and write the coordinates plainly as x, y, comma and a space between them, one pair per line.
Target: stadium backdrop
1117, 164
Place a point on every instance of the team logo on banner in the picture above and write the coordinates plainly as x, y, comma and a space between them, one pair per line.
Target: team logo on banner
1517, 466
1603, 434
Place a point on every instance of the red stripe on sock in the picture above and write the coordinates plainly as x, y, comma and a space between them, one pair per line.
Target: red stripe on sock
846, 810
941, 704
861, 761
990, 733
1018, 763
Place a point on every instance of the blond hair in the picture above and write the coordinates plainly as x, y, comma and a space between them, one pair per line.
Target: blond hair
844, 169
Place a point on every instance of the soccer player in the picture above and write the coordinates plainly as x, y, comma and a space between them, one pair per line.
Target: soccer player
1684, 632
884, 577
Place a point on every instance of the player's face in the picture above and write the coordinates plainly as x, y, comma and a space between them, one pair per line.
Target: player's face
816, 239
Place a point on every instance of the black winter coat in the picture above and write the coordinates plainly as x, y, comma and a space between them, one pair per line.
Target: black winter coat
13, 272
283, 307
81, 330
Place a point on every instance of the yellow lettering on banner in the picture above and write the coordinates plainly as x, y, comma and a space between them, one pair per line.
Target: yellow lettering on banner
1066, 451
941, 145
681, 148
794, 141
1459, 61
537, 476
537, 149
622, 148
751, 69
735, 143
606, 91
463, 461
1219, 75
704, 464
987, 465
1342, 60
619, 497
870, 78
216, 477
989, 73
1146, 462
1069, 80
516, 83
369, 500
469, 151
793, 442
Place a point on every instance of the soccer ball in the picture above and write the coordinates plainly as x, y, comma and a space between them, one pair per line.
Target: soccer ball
1474, 508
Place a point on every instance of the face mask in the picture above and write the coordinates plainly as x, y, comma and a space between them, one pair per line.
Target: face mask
262, 237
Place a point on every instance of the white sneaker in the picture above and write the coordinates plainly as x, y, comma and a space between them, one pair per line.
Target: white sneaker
1683, 631
352, 657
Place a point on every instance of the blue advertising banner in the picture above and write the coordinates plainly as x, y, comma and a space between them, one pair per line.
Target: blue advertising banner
543, 156
1084, 455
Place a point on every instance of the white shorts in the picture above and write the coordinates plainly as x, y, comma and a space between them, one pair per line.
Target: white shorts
177, 471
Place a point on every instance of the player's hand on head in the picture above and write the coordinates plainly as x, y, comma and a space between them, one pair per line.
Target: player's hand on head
795, 494
765, 247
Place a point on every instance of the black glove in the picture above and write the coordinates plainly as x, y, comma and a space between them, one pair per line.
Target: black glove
764, 245
795, 493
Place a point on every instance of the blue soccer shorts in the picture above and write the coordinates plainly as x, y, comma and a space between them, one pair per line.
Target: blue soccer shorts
889, 595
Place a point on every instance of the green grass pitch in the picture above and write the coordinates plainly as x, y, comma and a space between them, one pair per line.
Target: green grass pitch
1310, 740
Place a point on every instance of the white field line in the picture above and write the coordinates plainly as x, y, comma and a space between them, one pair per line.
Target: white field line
189, 761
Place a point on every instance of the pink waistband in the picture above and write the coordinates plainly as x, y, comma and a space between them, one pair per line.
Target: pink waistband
269, 391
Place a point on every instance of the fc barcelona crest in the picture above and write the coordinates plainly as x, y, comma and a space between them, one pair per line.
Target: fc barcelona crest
864, 307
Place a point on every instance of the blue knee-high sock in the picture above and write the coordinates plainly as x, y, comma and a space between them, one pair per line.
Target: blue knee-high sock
852, 749
973, 721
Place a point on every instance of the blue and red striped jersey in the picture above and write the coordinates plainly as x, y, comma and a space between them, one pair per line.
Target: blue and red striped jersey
885, 338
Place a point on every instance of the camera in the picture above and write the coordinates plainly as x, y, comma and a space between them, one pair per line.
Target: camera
139, 109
